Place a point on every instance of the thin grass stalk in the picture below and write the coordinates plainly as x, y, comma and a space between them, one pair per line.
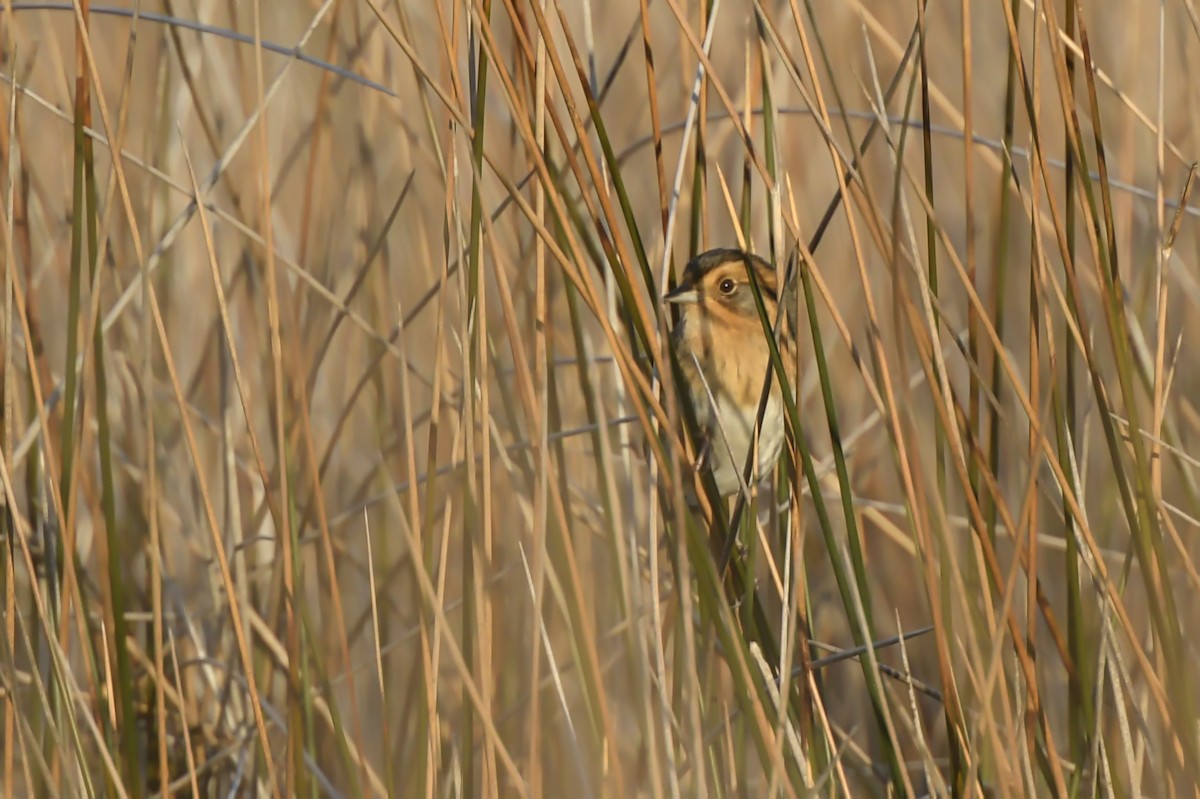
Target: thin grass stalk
623, 358
975, 421
90, 630
150, 511
318, 128
974, 410
745, 229
1031, 506
425, 743
302, 701
423, 517
373, 253
189, 79
1079, 687
553, 420
385, 732
477, 92
698, 206
484, 536
82, 119
830, 82
542, 349
8, 562
1027, 545
422, 692
660, 170
486, 480
1030, 503
933, 282
8, 394
931, 255
39, 479
595, 177
628, 590
1007, 183
700, 235
701, 49
585, 628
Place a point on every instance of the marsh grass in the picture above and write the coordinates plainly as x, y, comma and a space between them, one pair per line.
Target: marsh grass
343, 453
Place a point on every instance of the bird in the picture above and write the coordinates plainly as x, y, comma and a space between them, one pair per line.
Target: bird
725, 357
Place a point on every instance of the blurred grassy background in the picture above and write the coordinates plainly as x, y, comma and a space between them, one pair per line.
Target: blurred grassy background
358, 477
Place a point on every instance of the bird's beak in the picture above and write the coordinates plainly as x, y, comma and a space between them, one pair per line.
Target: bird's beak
682, 295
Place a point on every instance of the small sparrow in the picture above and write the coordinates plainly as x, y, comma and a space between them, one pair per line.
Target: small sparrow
725, 357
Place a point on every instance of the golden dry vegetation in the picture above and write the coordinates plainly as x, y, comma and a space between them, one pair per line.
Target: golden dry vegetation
341, 451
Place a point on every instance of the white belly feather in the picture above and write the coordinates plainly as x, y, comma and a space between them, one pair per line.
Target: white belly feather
730, 443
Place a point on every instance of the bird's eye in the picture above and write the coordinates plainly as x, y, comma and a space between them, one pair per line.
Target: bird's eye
727, 286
